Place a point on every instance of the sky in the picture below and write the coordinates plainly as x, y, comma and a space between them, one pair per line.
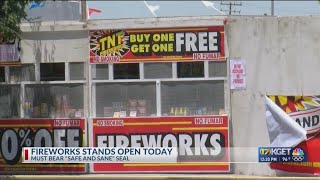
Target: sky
138, 9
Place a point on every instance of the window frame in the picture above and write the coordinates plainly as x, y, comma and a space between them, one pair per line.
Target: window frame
158, 81
37, 81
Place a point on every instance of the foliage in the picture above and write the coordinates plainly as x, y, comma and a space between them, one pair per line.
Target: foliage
11, 14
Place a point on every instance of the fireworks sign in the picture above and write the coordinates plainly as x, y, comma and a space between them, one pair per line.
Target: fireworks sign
165, 44
16, 134
202, 142
305, 111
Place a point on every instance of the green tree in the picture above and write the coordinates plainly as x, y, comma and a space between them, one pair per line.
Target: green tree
11, 14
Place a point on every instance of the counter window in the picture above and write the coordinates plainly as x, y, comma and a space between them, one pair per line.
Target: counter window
25, 72
125, 99
54, 100
52, 72
157, 70
77, 71
2, 74
100, 71
192, 98
126, 71
217, 69
190, 69
9, 101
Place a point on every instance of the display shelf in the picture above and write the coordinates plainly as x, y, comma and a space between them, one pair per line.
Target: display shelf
127, 99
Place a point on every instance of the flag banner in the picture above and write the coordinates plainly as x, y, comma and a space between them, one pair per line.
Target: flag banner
18, 133
157, 45
36, 5
91, 11
151, 8
9, 51
202, 142
294, 121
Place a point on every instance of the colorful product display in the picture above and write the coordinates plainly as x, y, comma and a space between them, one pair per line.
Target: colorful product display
130, 108
59, 108
190, 111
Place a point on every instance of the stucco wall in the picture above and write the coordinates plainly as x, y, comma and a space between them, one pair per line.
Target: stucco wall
54, 42
282, 58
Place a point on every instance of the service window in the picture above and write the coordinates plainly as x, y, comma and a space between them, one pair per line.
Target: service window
190, 69
77, 71
2, 75
100, 71
192, 98
25, 72
52, 71
126, 71
157, 70
125, 99
9, 101
54, 100
217, 69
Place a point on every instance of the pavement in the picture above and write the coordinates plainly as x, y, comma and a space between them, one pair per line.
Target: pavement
145, 177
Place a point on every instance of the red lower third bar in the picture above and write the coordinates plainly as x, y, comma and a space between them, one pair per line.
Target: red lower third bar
26, 155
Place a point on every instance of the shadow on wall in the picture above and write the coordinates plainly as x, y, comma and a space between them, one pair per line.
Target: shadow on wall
45, 45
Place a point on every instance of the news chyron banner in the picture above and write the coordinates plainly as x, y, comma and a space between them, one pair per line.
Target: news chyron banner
304, 111
157, 44
18, 133
202, 142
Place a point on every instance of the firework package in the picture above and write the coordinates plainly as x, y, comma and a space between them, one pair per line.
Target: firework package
303, 125
16, 134
202, 142
165, 44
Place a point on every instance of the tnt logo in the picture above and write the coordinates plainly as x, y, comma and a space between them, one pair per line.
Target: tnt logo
274, 151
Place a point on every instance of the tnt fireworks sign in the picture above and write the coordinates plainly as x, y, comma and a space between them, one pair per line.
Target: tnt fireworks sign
163, 44
202, 142
237, 74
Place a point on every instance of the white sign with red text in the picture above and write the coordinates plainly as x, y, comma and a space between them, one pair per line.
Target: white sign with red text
237, 74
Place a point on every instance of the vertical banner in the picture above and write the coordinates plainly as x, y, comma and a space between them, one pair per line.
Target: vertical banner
157, 44
237, 74
304, 111
18, 133
202, 142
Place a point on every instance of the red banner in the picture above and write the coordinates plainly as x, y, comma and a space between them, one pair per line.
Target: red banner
305, 112
209, 133
158, 44
18, 133
311, 147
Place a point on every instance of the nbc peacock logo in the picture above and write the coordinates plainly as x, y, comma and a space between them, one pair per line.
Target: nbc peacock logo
298, 155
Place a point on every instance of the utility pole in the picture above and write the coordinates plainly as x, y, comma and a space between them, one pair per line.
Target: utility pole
230, 4
272, 7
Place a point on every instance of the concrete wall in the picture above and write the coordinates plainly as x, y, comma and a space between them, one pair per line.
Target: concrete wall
282, 58
54, 42
55, 11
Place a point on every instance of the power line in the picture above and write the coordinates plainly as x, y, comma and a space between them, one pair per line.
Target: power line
230, 4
